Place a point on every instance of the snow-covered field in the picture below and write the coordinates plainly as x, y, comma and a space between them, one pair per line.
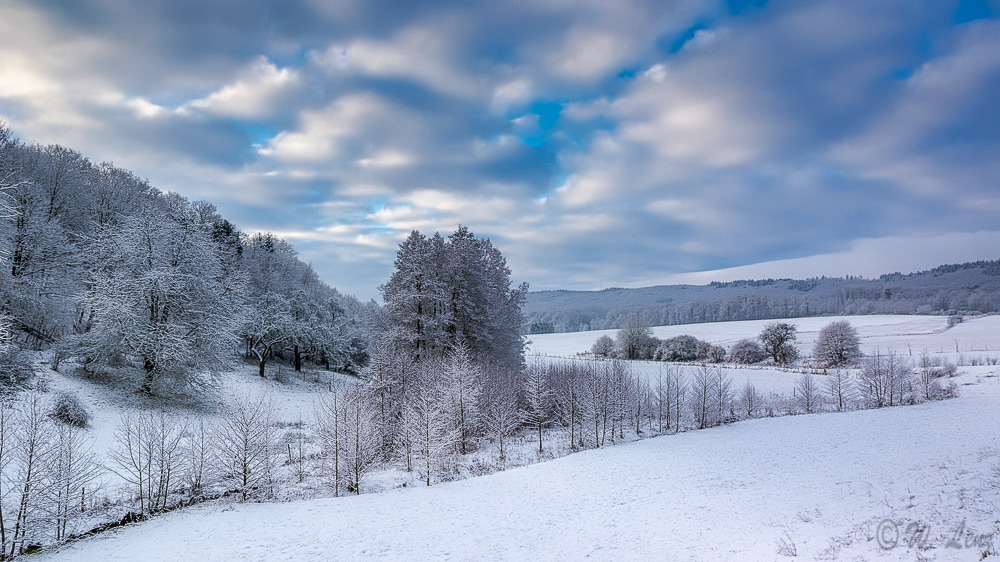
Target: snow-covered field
825, 486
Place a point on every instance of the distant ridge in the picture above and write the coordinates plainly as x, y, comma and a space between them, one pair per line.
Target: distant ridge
964, 288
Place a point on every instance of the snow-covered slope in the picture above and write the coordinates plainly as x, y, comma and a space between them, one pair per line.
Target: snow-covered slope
828, 486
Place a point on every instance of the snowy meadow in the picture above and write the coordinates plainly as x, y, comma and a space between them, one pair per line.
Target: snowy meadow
920, 481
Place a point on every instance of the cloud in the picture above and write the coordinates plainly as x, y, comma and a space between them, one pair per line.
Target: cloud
598, 143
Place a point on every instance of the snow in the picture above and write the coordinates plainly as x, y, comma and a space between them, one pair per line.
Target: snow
749, 490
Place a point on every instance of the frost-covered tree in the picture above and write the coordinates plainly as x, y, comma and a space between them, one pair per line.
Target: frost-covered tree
604, 346
678, 348
635, 340
246, 445
567, 397
33, 450
778, 340
148, 456
429, 423
807, 393
704, 397
446, 292
347, 422
750, 400
162, 301
71, 475
838, 344
839, 386
266, 325
885, 379
461, 384
499, 412
747, 352
537, 397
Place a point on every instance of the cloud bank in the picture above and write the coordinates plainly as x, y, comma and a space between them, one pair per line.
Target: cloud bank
597, 143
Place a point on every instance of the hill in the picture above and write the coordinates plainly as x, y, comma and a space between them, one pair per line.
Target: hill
763, 489
948, 289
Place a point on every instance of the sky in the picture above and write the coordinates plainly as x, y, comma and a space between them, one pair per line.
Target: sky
596, 143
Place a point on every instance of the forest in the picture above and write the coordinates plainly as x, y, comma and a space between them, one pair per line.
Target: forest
956, 289
103, 268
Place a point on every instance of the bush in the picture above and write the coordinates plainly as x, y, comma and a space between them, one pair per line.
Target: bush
69, 410
603, 347
747, 352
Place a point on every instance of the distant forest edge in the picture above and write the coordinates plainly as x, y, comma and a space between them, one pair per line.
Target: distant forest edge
966, 288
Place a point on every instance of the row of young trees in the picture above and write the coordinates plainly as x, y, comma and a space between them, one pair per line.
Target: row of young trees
105, 268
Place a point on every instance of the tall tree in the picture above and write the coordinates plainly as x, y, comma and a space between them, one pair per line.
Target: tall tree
443, 292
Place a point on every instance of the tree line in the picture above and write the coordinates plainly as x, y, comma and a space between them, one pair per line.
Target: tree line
958, 289
114, 273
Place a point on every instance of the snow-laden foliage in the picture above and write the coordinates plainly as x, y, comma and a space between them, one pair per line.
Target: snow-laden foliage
838, 344
106, 269
747, 351
444, 292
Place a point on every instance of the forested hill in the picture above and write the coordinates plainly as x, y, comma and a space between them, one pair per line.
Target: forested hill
99, 265
949, 289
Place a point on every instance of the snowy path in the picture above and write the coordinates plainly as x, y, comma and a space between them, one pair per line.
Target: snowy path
822, 482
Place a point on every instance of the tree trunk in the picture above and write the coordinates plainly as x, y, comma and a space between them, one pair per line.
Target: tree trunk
147, 382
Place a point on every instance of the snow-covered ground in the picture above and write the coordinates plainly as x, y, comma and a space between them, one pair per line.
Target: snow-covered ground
825, 486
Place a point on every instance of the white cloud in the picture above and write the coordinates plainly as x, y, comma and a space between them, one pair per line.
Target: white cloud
253, 95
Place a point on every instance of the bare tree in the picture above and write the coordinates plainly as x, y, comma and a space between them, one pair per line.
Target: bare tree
498, 407
749, 400
885, 379
568, 399
808, 393
148, 456
433, 434
33, 451
246, 442
460, 385
537, 396
838, 384
703, 397
723, 394
72, 473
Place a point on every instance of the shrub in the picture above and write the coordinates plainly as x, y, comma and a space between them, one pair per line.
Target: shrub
68, 409
747, 352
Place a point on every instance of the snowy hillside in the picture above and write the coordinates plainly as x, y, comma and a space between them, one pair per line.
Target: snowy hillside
856, 485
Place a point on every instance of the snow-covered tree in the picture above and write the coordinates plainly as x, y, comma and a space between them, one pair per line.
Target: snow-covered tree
499, 412
460, 385
807, 393
635, 340
446, 292
148, 456
537, 397
704, 396
839, 386
885, 379
347, 422
838, 344
246, 445
161, 301
747, 352
604, 346
778, 340
750, 400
